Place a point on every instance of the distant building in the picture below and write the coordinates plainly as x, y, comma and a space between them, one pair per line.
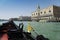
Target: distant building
51, 13
25, 18
22, 18
15, 19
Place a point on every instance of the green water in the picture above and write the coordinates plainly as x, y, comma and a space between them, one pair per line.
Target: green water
50, 30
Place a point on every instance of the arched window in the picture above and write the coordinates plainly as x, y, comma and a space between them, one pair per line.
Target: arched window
41, 12
36, 13
49, 10
44, 11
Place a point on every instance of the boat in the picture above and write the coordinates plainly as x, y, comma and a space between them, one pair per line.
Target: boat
15, 32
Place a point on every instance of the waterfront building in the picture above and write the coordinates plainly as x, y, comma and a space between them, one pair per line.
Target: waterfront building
25, 18
22, 18
15, 19
36, 14
51, 13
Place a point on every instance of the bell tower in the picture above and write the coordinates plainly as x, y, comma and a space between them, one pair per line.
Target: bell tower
38, 8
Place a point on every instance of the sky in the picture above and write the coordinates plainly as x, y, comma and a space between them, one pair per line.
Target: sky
16, 8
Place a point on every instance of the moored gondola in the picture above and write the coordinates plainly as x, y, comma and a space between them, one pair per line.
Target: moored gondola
15, 32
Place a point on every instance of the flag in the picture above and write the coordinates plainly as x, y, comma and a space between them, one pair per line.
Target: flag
29, 28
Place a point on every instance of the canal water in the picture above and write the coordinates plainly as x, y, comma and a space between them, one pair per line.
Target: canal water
49, 30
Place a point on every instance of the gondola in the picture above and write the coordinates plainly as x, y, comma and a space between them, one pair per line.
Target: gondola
15, 32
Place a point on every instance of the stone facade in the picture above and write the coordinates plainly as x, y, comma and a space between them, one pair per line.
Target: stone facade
51, 13
46, 13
